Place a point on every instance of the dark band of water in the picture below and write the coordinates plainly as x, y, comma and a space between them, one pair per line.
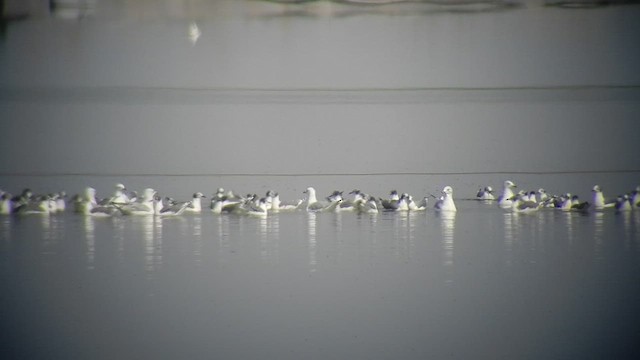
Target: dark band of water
563, 172
233, 95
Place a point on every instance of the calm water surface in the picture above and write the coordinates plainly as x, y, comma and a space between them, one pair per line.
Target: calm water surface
482, 283
336, 95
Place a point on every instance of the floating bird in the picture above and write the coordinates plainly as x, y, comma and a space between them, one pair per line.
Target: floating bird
352, 205
417, 207
119, 197
485, 194
223, 201
170, 209
250, 208
195, 205
6, 206
313, 205
144, 206
599, 202
635, 197
542, 195
506, 199
277, 205
521, 204
194, 33
392, 202
370, 206
37, 205
623, 203
445, 203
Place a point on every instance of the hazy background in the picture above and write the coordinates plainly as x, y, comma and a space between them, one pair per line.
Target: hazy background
119, 88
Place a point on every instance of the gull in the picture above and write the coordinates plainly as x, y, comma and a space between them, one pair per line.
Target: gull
417, 207
61, 203
277, 205
6, 206
351, 205
195, 205
572, 203
524, 205
160, 209
623, 203
313, 205
368, 207
23, 199
87, 204
119, 196
530, 196
599, 202
144, 207
505, 200
194, 33
37, 205
485, 194
392, 202
542, 195
635, 197
269, 198
52, 200
445, 203
223, 201
259, 208
578, 205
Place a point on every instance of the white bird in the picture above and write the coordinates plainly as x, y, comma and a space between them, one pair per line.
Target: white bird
119, 196
445, 203
38, 205
61, 203
485, 194
161, 209
506, 199
144, 207
194, 33
278, 205
623, 203
195, 205
223, 201
352, 205
542, 195
313, 205
368, 207
524, 205
392, 202
417, 207
599, 202
258, 208
6, 206
635, 197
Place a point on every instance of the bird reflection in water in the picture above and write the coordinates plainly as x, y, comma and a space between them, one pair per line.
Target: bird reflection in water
404, 234
263, 238
196, 231
511, 225
269, 237
447, 227
223, 228
311, 232
151, 230
6, 227
598, 222
90, 239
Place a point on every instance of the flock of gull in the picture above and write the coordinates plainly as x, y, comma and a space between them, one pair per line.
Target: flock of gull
149, 202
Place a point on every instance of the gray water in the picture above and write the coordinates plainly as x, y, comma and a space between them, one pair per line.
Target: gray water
410, 96
482, 283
